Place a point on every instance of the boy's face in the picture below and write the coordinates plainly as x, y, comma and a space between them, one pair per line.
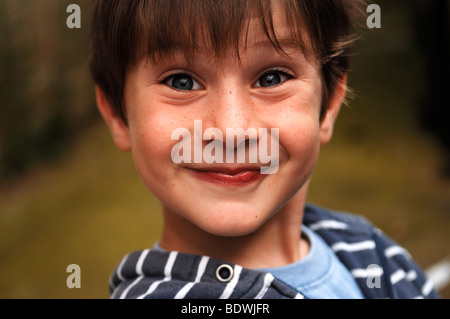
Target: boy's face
263, 90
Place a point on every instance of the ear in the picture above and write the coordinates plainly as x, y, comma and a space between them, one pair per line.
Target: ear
119, 130
334, 105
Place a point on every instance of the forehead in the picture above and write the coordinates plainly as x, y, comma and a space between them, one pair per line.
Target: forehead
221, 29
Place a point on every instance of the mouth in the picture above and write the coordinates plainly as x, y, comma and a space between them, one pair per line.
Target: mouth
229, 176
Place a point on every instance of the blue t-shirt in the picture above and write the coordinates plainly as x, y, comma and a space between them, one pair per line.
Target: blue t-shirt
319, 275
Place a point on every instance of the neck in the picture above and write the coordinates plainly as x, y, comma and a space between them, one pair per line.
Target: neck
276, 243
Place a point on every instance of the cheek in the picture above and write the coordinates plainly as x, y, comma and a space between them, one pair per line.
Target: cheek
303, 127
302, 145
151, 135
151, 145
298, 119
300, 139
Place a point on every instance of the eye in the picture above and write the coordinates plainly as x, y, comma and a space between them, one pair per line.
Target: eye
182, 82
272, 78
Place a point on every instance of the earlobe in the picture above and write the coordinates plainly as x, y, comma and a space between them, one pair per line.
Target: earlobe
334, 106
117, 127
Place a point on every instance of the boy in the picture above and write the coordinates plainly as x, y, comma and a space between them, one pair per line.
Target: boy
224, 106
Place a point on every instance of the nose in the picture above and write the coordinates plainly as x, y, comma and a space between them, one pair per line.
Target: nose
232, 108
234, 113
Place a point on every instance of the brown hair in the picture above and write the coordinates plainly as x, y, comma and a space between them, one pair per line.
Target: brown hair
124, 30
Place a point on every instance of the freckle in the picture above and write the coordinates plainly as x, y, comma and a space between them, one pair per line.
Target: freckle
230, 93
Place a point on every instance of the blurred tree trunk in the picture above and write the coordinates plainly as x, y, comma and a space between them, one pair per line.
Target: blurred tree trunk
45, 90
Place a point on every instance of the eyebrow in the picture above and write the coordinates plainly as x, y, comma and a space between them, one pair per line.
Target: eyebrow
283, 42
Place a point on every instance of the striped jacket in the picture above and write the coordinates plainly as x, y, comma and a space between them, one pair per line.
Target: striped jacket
382, 269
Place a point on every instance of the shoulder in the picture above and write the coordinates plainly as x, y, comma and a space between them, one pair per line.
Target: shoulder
316, 217
381, 267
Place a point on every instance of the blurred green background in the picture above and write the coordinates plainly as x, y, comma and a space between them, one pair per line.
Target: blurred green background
68, 196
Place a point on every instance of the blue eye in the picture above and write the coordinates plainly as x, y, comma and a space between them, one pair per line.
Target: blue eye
182, 82
272, 78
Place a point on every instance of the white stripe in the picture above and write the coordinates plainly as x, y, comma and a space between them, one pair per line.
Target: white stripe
125, 292
401, 274
397, 276
140, 262
396, 250
439, 273
113, 295
368, 272
268, 278
200, 271
232, 284
119, 274
363, 245
138, 271
202, 267
411, 275
299, 296
183, 291
167, 274
119, 269
328, 224
427, 288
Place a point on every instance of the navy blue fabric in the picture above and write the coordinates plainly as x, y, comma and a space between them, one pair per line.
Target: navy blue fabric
359, 246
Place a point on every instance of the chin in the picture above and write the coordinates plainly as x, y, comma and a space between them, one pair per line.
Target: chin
232, 224
225, 231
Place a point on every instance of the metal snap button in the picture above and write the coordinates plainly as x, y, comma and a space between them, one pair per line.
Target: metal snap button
224, 273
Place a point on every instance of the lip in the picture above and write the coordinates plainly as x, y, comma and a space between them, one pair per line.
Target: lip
225, 176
